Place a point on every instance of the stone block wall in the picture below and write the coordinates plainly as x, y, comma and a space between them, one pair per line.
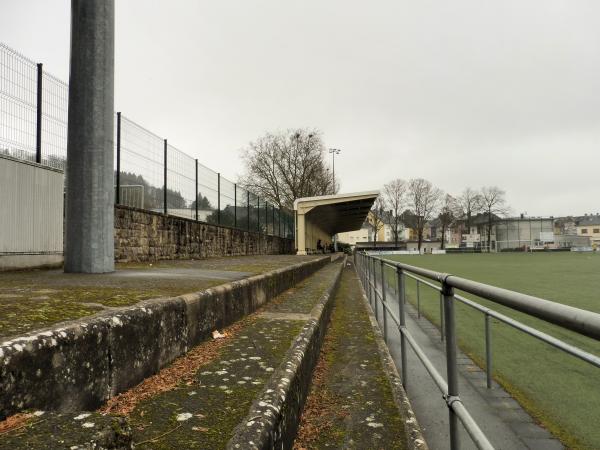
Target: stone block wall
142, 235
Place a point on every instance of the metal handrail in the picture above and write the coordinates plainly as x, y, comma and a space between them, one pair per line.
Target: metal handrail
581, 321
544, 337
449, 389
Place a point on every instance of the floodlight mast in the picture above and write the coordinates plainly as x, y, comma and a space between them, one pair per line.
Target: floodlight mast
334, 151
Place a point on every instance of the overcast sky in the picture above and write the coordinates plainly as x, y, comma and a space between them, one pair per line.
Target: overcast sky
463, 93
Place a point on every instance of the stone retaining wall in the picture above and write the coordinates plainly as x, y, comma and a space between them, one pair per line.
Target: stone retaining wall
142, 235
78, 365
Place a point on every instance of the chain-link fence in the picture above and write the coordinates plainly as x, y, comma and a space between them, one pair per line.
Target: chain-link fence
150, 173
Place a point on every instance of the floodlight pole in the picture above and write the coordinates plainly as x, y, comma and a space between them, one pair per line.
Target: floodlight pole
90, 194
333, 151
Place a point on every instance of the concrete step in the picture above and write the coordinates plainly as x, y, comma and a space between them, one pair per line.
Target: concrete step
356, 399
245, 387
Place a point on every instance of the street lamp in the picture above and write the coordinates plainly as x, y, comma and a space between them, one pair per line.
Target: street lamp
334, 151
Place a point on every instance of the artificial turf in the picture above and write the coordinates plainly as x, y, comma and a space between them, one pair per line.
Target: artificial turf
559, 390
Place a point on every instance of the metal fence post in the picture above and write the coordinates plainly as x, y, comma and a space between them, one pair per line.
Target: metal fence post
118, 174
418, 300
442, 331
219, 198
402, 327
165, 180
235, 205
258, 214
384, 311
273, 220
38, 125
369, 281
451, 365
248, 210
488, 351
372, 284
375, 290
196, 190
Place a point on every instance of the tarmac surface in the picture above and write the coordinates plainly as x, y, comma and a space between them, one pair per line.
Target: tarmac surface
505, 423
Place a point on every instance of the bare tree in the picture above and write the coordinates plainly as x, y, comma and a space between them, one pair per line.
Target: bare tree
469, 204
395, 198
284, 166
423, 199
447, 216
377, 217
494, 204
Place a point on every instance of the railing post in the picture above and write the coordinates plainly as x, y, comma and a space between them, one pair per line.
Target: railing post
442, 321
235, 205
375, 289
248, 209
258, 215
418, 300
384, 311
370, 281
219, 198
165, 179
38, 125
488, 351
451, 364
402, 327
196, 190
118, 174
373, 286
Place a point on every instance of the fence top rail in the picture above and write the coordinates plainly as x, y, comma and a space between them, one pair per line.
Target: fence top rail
581, 321
422, 281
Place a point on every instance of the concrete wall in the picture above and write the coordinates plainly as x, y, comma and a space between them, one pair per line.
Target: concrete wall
142, 235
80, 364
31, 214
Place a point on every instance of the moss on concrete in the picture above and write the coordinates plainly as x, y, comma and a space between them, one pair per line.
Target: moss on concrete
204, 413
35, 299
51, 431
212, 406
303, 297
253, 264
351, 404
28, 307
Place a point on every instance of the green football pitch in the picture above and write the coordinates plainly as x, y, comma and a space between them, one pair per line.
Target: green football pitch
559, 390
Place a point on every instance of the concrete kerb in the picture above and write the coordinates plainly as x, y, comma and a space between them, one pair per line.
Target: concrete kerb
78, 365
273, 418
414, 435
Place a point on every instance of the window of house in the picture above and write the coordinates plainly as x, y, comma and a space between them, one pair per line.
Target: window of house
596, 230
584, 231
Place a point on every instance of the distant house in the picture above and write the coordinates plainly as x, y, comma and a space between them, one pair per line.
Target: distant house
367, 233
352, 237
589, 226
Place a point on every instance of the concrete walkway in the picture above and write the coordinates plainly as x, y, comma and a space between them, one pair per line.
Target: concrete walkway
351, 402
501, 418
35, 299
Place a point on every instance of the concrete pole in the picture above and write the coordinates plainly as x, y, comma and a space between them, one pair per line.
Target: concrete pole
89, 239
